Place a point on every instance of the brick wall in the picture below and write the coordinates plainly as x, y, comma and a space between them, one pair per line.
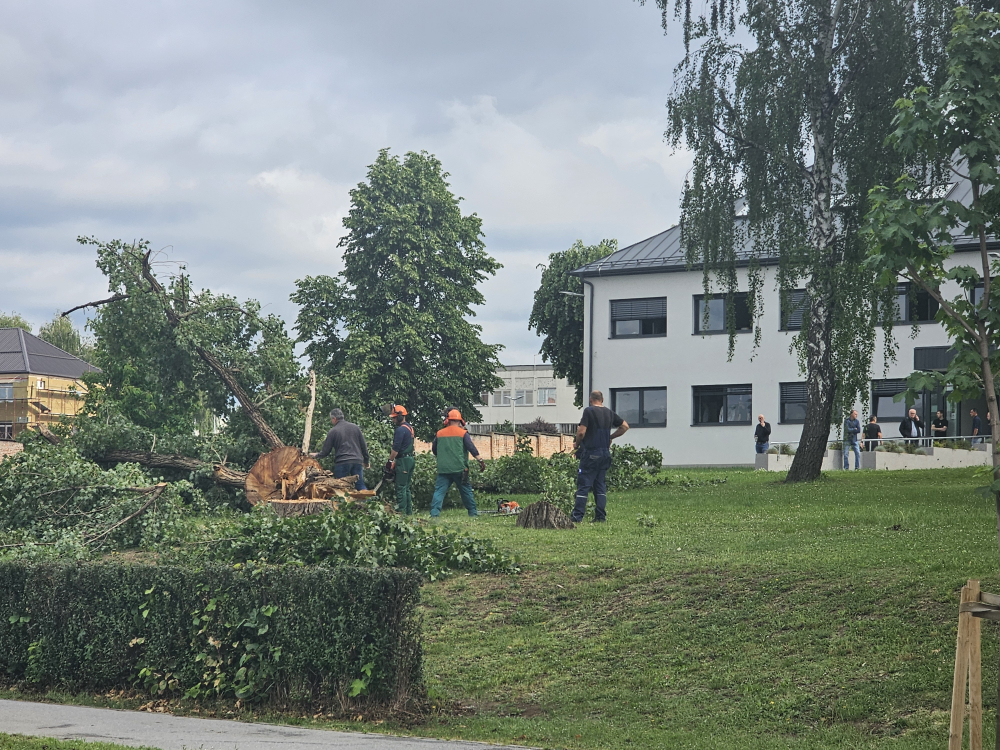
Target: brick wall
496, 445
9, 448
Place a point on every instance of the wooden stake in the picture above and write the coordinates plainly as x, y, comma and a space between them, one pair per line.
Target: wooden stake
968, 670
307, 435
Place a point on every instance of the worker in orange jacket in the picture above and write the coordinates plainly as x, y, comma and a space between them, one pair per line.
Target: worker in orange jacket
452, 447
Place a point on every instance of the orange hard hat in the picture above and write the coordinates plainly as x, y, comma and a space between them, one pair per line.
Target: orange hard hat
455, 414
398, 411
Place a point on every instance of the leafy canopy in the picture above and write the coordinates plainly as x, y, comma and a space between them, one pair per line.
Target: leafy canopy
558, 317
61, 332
393, 325
13, 320
913, 234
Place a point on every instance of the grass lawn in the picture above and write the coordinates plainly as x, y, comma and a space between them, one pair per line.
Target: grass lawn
20, 742
752, 615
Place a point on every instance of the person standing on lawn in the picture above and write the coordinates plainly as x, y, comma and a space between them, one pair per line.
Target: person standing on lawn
852, 429
350, 451
452, 446
593, 448
873, 433
402, 459
762, 435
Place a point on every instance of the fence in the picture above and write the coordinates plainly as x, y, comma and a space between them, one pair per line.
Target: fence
498, 444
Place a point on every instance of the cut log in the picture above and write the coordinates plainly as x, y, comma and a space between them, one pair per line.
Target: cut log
292, 508
543, 515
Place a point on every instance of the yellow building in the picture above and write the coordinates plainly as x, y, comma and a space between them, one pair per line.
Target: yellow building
39, 383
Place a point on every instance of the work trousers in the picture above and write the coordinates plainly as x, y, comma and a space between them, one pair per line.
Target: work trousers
590, 475
444, 483
404, 475
848, 447
345, 470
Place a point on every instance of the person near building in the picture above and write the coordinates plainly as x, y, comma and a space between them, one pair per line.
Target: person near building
977, 426
939, 427
401, 459
350, 451
873, 433
988, 429
452, 447
593, 449
762, 435
852, 432
911, 426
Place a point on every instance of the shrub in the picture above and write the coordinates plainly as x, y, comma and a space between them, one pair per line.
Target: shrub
922, 452
787, 449
253, 634
773, 450
883, 448
363, 535
539, 425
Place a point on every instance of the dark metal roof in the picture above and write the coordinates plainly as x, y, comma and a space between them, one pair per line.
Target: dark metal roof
20, 352
662, 253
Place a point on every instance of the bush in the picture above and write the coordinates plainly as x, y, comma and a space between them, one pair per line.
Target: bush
774, 450
787, 449
358, 534
922, 452
539, 425
254, 634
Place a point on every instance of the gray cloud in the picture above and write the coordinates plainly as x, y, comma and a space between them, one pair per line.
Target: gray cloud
231, 132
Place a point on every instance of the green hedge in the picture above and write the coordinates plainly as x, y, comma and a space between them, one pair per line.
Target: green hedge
285, 633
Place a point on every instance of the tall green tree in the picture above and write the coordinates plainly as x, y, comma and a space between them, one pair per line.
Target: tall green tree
393, 325
794, 124
60, 332
558, 317
956, 134
14, 321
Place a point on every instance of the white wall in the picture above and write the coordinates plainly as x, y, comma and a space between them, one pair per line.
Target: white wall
683, 359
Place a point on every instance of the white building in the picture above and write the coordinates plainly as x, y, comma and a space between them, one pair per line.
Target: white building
529, 392
648, 348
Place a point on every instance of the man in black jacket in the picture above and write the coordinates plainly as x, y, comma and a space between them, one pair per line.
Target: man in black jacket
911, 426
762, 435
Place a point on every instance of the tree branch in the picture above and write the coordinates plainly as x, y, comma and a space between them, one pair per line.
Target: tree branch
936, 294
96, 303
846, 36
154, 493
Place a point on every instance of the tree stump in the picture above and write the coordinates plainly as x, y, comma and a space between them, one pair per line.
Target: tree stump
543, 515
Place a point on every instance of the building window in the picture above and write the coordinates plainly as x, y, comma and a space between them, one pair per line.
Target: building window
794, 305
6, 392
632, 318
41, 384
484, 398
546, 396
6, 430
914, 305
501, 398
711, 313
524, 398
794, 398
641, 407
722, 404
884, 405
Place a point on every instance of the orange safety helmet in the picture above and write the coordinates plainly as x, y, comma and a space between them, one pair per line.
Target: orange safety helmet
455, 414
398, 411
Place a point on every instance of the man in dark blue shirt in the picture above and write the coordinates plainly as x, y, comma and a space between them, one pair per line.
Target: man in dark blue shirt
593, 448
401, 458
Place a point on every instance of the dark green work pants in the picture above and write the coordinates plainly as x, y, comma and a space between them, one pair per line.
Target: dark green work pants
404, 475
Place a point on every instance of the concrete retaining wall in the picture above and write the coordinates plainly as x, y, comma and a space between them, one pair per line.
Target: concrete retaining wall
939, 458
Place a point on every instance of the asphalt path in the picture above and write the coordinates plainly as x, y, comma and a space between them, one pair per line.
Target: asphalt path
142, 729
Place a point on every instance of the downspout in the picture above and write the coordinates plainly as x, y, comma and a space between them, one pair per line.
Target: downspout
590, 345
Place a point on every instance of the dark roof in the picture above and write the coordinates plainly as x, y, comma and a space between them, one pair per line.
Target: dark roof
20, 352
663, 253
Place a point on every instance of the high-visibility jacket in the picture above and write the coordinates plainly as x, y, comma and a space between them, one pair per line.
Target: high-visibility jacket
452, 454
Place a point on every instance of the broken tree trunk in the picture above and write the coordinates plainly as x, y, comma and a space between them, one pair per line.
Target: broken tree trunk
543, 515
289, 474
307, 434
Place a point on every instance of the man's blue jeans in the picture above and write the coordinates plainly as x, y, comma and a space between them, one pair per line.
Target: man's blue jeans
590, 475
848, 446
345, 470
762, 447
443, 483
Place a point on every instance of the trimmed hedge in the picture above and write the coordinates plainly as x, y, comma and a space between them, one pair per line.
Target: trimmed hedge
285, 633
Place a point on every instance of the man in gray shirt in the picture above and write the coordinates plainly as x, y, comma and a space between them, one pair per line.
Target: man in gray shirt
350, 450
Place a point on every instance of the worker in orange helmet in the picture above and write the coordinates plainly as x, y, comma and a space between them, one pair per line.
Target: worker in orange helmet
402, 459
452, 447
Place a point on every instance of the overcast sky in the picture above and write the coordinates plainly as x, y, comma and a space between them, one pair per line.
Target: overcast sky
229, 133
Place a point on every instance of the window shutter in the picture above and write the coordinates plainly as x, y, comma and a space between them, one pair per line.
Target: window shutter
888, 387
639, 309
793, 393
797, 304
739, 390
932, 357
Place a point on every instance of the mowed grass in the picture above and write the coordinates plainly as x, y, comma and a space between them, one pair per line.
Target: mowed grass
20, 742
753, 615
